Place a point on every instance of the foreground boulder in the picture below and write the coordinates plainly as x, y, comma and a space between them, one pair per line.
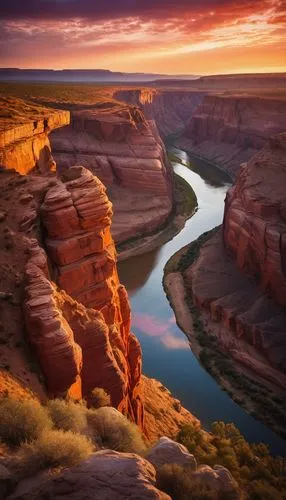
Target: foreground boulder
167, 451
106, 475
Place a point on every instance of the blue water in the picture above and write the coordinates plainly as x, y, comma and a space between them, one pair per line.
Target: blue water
166, 352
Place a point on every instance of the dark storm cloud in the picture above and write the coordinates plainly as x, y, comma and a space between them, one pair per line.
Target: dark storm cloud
104, 9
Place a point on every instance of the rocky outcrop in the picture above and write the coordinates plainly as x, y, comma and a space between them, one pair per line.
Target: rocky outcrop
24, 138
126, 153
170, 109
255, 219
249, 325
82, 337
106, 474
166, 451
229, 130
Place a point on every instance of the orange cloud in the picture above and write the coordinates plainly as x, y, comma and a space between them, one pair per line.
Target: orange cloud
191, 40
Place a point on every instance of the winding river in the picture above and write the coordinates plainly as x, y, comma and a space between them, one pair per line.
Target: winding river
166, 352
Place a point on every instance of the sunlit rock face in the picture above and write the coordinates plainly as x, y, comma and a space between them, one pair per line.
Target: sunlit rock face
81, 330
170, 109
126, 153
229, 130
24, 138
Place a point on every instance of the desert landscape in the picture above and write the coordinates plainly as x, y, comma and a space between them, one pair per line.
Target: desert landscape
143, 251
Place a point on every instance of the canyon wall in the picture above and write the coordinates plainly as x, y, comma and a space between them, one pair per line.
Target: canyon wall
255, 219
126, 153
239, 277
24, 142
229, 130
82, 337
170, 109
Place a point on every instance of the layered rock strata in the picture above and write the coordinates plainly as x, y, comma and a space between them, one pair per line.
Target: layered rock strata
239, 276
255, 219
24, 138
84, 341
125, 151
229, 130
170, 109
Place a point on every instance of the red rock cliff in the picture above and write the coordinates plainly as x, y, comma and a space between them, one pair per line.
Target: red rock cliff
255, 219
82, 337
230, 129
24, 142
170, 109
125, 151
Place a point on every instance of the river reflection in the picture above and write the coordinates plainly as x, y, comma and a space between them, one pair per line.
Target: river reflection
166, 352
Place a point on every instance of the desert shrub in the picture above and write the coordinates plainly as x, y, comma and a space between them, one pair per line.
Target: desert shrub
67, 415
99, 398
111, 430
54, 448
22, 420
260, 490
180, 484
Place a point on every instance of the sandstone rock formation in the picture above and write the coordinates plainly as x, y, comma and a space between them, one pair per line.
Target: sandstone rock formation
228, 130
82, 343
105, 475
255, 219
170, 109
125, 151
24, 139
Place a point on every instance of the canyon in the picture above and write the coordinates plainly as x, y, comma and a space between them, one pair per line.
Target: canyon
225, 127
60, 287
124, 150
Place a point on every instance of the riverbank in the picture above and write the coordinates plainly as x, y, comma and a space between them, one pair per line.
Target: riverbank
184, 207
181, 144
258, 397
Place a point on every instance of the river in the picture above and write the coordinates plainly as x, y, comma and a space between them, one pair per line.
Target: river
166, 352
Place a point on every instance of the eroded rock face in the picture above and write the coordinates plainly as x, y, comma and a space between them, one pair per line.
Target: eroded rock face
88, 328
24, 138
255, 219
170, 109
105, 475
229, 130
125, 151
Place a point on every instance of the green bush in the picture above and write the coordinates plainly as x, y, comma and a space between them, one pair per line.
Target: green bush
67, 415
55, 448
22, 420
98, 398
180, 484
112, 430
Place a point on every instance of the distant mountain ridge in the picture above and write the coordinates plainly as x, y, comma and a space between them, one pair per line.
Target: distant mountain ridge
83, 75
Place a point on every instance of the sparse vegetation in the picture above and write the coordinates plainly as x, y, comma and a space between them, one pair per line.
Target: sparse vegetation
55, 448
99, 398
67, 415
22, 420
181, 484
110, 429
255, 470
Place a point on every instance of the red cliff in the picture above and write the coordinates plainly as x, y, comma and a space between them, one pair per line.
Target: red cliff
230, 129
125, 152
255, 219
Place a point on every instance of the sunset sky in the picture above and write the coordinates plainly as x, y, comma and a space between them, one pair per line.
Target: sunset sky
166, 36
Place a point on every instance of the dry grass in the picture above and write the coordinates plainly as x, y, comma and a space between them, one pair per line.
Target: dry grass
113, 431
54, 448
22, 420
99, 398
67, 415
